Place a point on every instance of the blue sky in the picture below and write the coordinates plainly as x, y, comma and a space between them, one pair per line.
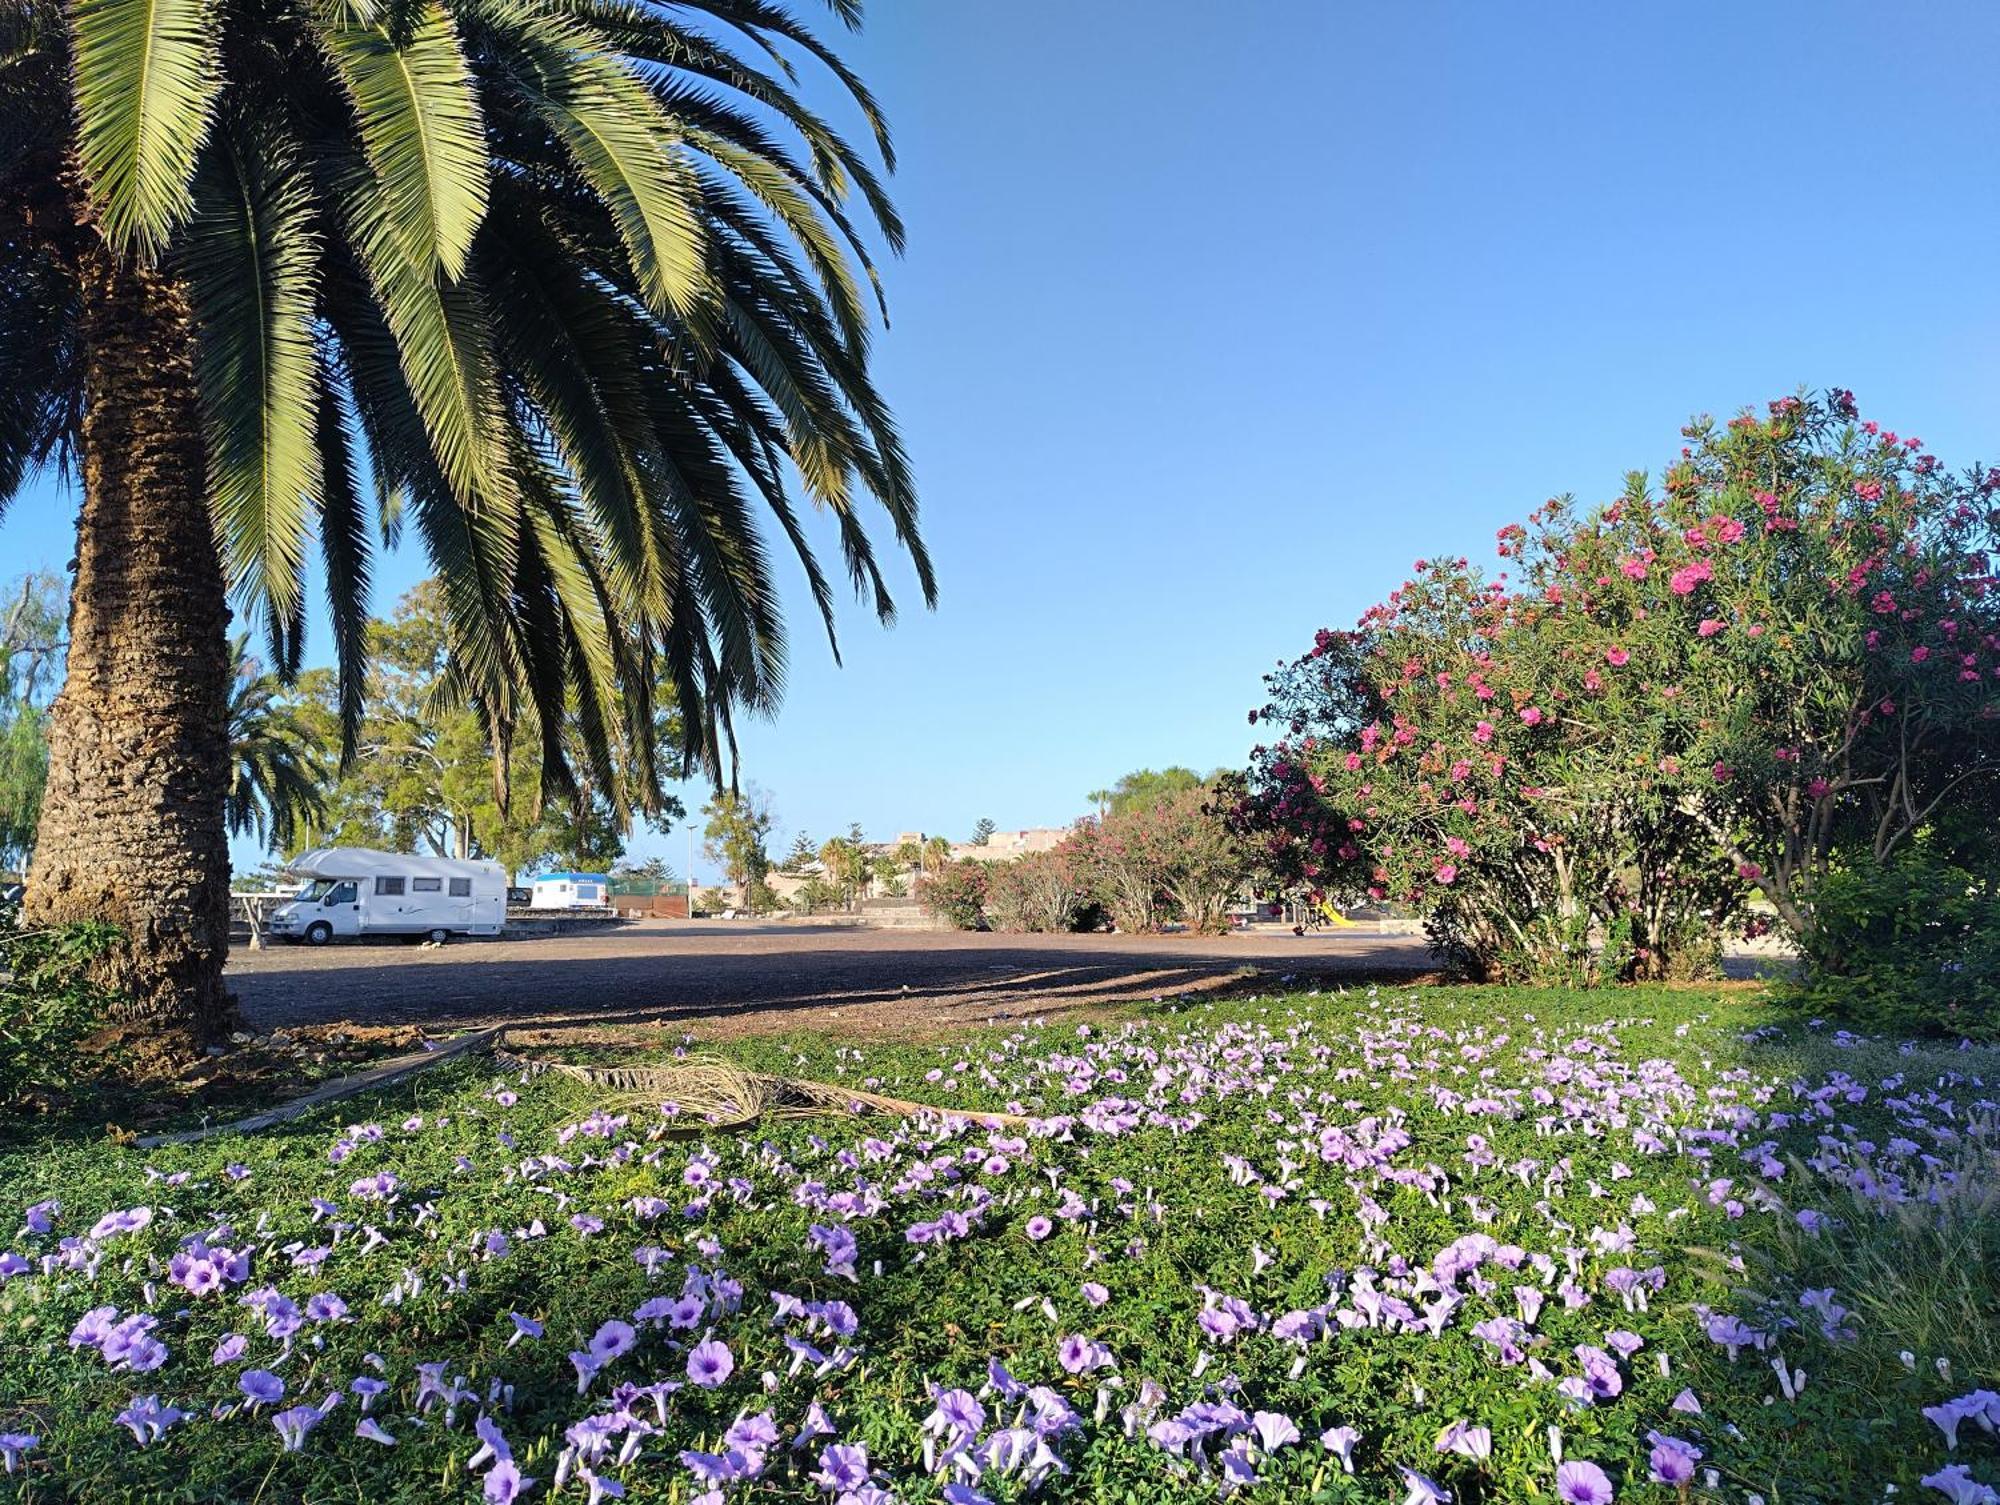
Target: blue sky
1214, 317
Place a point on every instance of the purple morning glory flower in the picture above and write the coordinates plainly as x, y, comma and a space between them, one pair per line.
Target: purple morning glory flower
843, 1467
524, 1327
504, 1483
709, 1364
1422, 1490
15, 1445
955, 1411
1078, 1355
1957, 1485
294, 1423
367, 1387
1579, 1482
611, 1340
371, 1429
93, 1327
1038, 1228
147, 1419
42, 1217
1672, 1460
229, 1350
263, 1387
1340, 1441
130, 1220
1274, 1430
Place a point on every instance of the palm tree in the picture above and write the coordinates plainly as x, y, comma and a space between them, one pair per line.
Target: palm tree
276, 770
572, 288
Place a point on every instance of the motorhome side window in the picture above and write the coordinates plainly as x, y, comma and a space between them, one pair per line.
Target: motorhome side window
389, 886
425, 885
461, 888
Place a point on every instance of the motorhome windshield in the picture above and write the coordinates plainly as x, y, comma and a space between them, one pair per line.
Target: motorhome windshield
327, 891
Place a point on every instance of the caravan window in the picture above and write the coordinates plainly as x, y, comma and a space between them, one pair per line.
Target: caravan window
461, 888
339, 893
425, 885
389, 886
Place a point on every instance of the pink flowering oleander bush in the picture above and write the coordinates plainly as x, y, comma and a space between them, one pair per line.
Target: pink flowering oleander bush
1038, 892
1681, 715
1174, 858
1436, 1244
956, 894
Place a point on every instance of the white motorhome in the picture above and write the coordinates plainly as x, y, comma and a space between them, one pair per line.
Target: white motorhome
571, 891
353, 891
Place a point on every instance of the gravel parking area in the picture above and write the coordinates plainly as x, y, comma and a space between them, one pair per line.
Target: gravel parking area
718, 978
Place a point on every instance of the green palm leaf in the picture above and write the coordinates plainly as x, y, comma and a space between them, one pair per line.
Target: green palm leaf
440, 337
624, 143
147, 74
419, 117
252, 264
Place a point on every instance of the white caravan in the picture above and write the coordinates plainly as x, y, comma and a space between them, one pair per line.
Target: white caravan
354, 891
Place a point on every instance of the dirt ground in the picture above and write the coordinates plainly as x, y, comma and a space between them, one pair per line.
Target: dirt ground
719, 978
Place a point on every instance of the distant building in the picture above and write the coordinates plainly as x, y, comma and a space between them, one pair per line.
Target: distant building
1006, 846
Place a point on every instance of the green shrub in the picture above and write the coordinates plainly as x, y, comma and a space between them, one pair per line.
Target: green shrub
48, 1004
956, 894
1038, 892
1908, 948
815, 894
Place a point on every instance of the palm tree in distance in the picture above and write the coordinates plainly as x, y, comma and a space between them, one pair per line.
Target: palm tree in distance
276, 766
572, 289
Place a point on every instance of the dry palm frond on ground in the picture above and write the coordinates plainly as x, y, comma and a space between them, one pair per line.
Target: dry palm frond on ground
713, 1093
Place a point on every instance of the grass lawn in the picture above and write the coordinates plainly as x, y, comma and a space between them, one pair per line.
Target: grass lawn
1475, 1244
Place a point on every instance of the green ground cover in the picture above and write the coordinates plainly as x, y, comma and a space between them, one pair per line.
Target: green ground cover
1476, 1244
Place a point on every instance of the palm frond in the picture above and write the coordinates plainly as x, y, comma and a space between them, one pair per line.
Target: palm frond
623, 143
343, 540
413, 97
251, 260
147, 76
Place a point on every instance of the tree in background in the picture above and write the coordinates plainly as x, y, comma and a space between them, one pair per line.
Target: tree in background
906, 866
1173, 856
31, 659
654, 870
277, 762
1040, 892
982, 830
847, 865
955, 894
277, 765
569, 290
803, 854
936, 854
425, 777
1145, 786
738, 825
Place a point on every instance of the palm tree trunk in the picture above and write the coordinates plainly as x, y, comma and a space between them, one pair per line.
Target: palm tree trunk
132, 824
